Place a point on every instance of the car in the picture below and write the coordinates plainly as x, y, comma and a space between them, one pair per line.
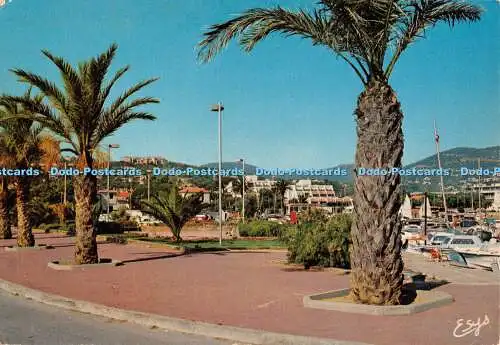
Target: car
202, 217
411, 232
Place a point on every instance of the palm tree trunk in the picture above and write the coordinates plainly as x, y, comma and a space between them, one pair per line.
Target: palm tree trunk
376, 260
25, 236
85, 243
5, 231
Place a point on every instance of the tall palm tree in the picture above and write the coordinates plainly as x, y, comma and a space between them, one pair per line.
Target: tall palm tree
370, 36
281, 188
5, 159
173, 209
22, 145
81, 113
5, 230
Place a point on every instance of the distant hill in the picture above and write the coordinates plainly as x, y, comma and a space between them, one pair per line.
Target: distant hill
249, 168
452, 159
462, 157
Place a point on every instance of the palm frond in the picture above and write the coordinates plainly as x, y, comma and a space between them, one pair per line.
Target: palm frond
421, 14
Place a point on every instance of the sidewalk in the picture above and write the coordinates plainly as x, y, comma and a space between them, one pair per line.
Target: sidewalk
249, 290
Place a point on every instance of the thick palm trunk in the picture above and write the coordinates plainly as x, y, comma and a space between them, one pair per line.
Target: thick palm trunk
25, 236
5, 231
376, 260
86, 244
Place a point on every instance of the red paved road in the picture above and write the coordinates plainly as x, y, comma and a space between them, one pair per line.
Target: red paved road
242, 289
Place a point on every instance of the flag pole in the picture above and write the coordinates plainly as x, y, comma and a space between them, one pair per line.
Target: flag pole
436, 138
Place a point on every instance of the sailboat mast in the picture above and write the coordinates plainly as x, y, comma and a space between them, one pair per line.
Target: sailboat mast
436, 138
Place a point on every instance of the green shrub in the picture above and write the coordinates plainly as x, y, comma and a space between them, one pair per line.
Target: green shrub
321, 243
51, 227
260, 228
109, 228
70, 229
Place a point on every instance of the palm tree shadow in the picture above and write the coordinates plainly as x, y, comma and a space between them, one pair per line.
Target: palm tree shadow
151, 258
410, 290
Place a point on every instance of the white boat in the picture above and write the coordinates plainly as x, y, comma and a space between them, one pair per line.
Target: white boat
422, 212
481, 255
405, 210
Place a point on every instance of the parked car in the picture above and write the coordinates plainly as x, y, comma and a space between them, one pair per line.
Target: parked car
411, 232
202, 217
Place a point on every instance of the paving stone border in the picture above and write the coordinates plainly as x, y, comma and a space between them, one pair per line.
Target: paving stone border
434, 299
238, 334
56, 265
22, 249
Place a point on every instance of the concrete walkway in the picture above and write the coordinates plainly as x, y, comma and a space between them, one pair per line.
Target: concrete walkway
445, 271
248, 290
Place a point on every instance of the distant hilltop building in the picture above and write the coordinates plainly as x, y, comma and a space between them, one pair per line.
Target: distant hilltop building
156, 160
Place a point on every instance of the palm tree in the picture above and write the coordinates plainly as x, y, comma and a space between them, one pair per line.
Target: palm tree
173, 209
81, 113
362, 33
281, 188
303, 198
23, 145
5, 231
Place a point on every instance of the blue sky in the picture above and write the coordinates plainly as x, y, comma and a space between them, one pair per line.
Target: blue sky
288, 104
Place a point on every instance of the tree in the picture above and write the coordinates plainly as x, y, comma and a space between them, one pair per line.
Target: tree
362, 33
173, 209
281, 188
23, 144
303, 198
81, 113
5, 230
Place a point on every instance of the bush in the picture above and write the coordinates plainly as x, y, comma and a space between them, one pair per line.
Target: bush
109, 228
70, 229
260, 228
323, 243
51, 227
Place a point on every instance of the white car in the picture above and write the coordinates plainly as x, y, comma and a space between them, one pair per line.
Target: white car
411, 232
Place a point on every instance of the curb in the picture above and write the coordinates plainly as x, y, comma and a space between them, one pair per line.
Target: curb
55, 265
436, 299
23, 249
164, 322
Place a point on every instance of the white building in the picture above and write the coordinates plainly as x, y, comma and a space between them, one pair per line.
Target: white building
255, 185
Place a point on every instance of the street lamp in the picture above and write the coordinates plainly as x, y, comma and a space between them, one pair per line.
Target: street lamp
243, 192
149, 182
219, 108
110, 146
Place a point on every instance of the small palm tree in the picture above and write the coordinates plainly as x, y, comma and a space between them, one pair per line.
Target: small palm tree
281, 188
23, 144
82, 114
173, 209
370, 36
303, 198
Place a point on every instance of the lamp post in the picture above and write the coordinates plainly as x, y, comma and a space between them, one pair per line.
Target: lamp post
110, 146
65, 199
149, 182
219, 108
243, 192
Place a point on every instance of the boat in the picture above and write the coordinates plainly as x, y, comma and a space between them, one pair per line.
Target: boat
484, 255
405, 210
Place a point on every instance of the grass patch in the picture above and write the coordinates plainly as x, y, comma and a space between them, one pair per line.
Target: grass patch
213, 245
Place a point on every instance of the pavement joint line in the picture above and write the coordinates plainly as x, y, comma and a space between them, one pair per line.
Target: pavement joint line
245, 335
